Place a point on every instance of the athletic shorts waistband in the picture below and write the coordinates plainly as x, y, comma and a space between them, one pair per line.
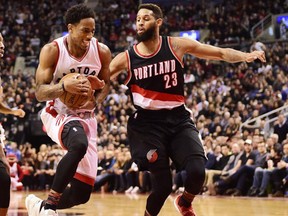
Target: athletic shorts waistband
162, 112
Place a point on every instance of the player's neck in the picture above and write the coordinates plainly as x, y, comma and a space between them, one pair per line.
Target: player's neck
149, 47
73, 50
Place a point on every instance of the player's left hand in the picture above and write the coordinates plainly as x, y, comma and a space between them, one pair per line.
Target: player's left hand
96, 83
19, 112
255, 55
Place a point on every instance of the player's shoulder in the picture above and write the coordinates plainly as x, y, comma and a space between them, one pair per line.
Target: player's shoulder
104, 49
50, 47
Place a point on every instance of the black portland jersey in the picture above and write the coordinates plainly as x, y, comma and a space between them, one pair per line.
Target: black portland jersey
156, 81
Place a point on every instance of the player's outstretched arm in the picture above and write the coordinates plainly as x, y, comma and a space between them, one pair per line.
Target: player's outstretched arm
188, 46
7, 110
104, 74
118, 64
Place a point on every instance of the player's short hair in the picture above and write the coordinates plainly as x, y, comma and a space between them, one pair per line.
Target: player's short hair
157, 12
78, 12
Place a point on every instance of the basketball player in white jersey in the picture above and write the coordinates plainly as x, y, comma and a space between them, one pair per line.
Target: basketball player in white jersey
74, 129
5, 180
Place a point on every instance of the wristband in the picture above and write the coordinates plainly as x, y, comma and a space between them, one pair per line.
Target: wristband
63, 87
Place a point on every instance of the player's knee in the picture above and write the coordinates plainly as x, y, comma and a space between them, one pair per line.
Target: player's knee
79, 145
75, 139
196, 167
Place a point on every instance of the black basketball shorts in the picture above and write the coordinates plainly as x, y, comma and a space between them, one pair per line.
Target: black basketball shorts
155, 137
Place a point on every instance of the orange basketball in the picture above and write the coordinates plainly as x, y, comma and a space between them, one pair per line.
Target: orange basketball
72, 100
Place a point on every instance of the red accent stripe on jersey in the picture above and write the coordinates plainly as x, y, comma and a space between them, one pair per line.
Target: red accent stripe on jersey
85, 179
98, 50
57, 56
173, 52
129, 73
150, 55
156, 95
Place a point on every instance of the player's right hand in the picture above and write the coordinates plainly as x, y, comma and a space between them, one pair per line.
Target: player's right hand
77, 85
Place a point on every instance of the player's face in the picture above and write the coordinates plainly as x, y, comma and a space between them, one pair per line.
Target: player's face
146, 25
82, 32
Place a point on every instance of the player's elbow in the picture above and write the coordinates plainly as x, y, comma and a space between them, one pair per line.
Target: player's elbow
39, 96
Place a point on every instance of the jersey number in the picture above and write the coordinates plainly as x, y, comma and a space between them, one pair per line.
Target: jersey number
170, 80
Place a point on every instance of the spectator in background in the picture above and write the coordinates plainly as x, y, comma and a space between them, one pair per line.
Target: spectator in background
279, 174
241, 179
281, 127
229, 169
219, 161
257, 45
12, 148
262, 176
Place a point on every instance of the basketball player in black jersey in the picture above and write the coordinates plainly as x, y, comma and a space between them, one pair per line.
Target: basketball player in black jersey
162, 127
4, 165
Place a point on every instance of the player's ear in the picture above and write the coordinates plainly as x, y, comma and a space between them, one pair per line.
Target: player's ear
69, 27
159, 22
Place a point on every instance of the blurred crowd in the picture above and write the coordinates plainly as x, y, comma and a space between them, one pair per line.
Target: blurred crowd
221, 96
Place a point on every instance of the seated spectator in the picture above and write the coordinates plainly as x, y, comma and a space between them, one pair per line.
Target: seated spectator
279, 174
28, 172
41, 167
106, 175
120, 178
229, 169
262, 176
240, 181
220, 160
281, 127
16, 172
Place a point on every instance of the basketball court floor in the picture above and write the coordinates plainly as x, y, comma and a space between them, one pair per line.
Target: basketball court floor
107, 204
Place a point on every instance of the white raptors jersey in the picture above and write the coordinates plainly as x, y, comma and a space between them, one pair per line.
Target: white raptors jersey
88, 64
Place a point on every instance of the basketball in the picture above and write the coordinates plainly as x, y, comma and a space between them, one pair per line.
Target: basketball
72, 100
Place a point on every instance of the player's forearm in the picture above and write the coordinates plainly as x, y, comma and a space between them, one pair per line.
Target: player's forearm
46, 92
100, 97
233, 56
5, 110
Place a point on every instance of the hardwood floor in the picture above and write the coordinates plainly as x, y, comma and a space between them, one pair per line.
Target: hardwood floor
104, 204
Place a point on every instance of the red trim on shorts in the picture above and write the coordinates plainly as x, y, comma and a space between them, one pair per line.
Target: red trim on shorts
49, 109
59, 136
85, 179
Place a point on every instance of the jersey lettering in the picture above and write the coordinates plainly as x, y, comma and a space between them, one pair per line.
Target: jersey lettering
153, 70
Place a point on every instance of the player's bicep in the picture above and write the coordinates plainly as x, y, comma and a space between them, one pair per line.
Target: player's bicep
200, 50
47, 61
